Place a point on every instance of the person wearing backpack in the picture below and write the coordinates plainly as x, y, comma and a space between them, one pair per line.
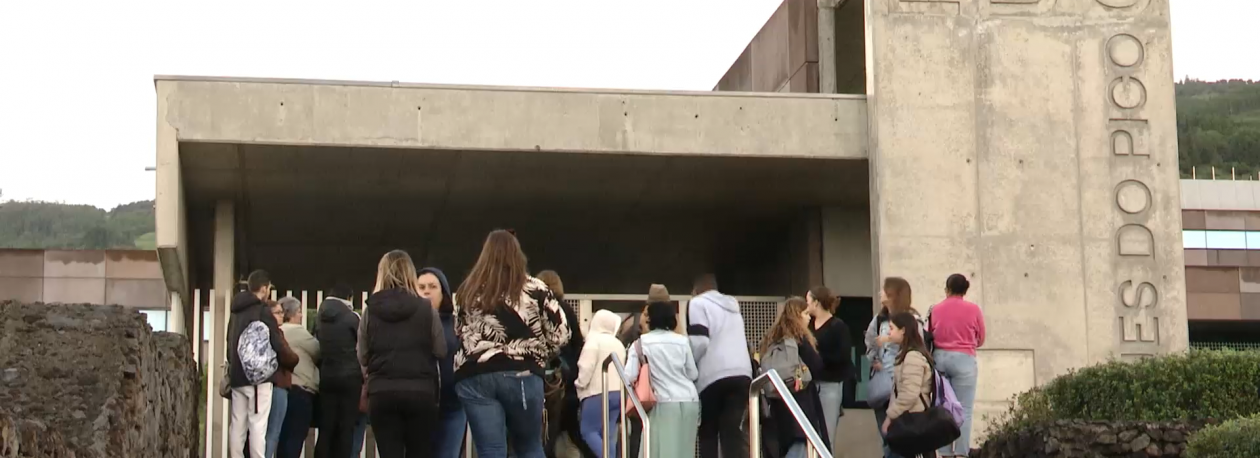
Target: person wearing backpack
789, 349
253, 346
958, 326
912, 375
593, 376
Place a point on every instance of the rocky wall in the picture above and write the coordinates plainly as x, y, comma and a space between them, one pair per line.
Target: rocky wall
90, 381
1068, 439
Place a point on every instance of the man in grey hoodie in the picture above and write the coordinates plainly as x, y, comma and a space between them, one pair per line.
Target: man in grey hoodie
716, 330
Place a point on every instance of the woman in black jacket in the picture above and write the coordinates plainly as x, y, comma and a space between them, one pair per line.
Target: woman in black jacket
401, 342
835, 345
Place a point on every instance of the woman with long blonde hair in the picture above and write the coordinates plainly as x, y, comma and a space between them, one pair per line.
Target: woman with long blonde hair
791, 329
401, 342
510, 325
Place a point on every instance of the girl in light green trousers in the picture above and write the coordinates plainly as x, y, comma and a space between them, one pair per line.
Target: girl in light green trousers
676, 416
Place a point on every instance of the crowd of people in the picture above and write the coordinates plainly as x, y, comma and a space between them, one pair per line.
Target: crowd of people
511, 367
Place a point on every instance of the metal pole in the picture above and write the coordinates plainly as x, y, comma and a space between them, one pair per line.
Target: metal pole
603, 386
625, 449
754, 424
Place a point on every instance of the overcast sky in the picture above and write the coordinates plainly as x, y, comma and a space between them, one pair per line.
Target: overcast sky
76, 91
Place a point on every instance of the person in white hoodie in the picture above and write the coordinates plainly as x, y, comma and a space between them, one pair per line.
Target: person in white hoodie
716, 330
601, 341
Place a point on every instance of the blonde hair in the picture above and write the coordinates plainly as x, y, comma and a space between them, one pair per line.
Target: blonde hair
396, 271
790, 324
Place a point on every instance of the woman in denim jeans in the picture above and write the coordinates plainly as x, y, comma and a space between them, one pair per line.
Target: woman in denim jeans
835, 345
881, 348
958, 329
509, 324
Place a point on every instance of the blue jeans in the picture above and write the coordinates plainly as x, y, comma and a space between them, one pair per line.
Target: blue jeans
593, 426
961, 370
831, 395
448, 439
880, 416
503, 404
275, 421
360, 430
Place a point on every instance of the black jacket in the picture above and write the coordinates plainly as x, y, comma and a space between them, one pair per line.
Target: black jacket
248, 308
449, 400
402, 343
338, 333
786, 428
570, 352
835, 345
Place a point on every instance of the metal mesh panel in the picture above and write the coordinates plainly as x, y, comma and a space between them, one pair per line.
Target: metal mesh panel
758, 317
1241, 346
574, 305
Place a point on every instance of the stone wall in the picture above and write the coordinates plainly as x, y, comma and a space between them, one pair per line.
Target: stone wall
81, 381
1092, 439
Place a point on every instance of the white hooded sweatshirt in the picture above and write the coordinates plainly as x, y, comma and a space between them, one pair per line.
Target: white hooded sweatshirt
601, 341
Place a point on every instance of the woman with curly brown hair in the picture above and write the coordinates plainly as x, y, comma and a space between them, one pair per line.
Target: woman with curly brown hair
790, 332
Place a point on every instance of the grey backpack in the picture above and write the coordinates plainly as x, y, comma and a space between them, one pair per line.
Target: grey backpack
257, 357
785, 358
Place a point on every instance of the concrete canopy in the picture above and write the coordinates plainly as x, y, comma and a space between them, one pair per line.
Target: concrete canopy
657, 185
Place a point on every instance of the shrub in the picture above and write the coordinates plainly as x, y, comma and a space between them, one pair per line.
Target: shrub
1202, 384
1232, 439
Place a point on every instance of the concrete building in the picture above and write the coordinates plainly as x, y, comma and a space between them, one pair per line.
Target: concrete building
1029, 144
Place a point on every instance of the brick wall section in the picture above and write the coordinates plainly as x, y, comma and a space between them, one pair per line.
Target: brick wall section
93, 381
118, 277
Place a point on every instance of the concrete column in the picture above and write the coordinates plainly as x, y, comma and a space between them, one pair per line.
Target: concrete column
585, 313
682, 317
175, 317
224, 280
827, 46
1031, 145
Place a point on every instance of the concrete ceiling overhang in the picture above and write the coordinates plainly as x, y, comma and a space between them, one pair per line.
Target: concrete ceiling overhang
325, 170
295, 112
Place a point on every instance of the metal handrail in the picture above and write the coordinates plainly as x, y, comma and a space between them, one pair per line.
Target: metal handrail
814, 447
626, 392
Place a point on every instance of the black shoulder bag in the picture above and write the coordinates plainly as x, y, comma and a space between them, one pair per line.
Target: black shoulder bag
921, 433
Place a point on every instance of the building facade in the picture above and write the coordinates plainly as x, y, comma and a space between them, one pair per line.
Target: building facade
1029, 144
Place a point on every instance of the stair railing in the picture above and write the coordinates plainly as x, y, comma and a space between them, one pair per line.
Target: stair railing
814, 447
626, 392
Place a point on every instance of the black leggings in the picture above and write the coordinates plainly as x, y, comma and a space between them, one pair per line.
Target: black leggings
399, 418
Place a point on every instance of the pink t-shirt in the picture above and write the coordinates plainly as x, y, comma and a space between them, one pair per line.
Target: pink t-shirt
957, 325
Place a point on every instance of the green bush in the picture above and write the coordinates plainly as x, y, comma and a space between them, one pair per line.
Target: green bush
1202, 384
1232, 439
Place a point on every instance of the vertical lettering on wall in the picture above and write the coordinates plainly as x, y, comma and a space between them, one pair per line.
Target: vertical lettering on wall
1139, 313
1138, 322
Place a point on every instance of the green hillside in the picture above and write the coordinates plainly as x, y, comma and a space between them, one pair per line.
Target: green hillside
1218, 124
54, 225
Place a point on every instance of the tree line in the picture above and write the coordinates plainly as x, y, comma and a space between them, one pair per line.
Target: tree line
1218, 125
49, 225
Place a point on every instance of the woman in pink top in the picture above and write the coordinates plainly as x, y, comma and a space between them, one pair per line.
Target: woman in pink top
958, 329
